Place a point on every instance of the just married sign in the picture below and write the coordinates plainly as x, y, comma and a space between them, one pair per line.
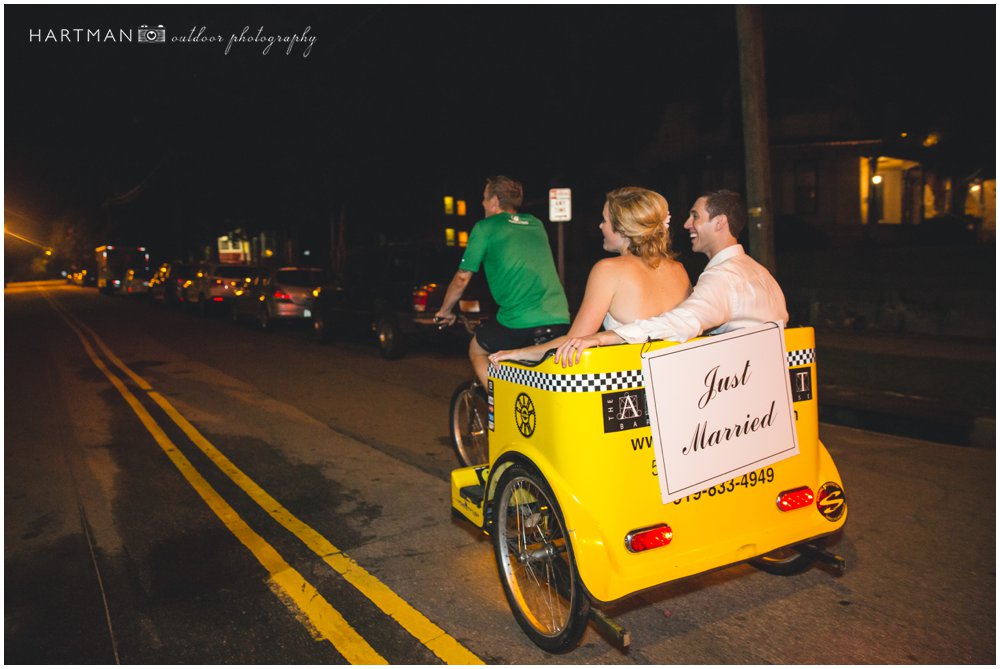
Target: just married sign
719, 407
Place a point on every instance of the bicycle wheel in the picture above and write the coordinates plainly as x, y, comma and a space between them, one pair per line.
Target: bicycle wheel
535, 561
786, 561
468, 419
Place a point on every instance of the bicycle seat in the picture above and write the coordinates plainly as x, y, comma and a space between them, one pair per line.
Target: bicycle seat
544, 333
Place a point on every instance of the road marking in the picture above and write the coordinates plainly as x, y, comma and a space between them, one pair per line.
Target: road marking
426, 632
293, 587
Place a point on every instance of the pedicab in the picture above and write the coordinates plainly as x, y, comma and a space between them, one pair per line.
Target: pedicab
577, 497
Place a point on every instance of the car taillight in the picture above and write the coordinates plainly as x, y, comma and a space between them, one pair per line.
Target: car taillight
282, 296
795, 499
648, 537
420, 300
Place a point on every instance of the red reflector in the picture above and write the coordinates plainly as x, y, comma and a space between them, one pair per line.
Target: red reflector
795, 499
649, 537
217, 299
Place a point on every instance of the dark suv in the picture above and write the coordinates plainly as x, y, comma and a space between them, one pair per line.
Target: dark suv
393, 292
167, 285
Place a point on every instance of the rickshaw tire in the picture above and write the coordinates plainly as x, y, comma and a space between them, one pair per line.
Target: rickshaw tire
792, 565
454, 417
578, 612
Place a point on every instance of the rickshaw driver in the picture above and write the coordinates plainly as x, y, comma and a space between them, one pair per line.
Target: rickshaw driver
734, 291
514, 251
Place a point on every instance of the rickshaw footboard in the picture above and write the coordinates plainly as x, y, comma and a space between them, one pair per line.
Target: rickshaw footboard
473, 493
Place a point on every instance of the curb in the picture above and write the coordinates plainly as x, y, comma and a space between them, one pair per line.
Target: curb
906, 416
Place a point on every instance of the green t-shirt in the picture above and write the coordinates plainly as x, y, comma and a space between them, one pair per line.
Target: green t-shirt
514, 251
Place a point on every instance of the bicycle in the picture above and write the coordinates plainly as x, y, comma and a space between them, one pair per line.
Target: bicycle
469, 410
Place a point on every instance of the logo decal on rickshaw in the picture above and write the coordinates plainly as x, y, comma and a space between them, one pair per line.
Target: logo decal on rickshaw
524, 415
490, 418
801, 378
625, 410
830, 501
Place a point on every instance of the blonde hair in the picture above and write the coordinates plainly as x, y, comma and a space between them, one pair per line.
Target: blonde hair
639, 215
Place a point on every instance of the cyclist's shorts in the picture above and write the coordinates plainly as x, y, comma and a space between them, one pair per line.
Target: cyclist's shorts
494, 337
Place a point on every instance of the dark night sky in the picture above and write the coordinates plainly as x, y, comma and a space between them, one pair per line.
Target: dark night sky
396, 105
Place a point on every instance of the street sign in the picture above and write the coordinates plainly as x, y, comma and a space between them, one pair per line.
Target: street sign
560, 208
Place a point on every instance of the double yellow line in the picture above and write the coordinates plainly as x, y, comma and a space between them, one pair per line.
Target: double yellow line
324, 621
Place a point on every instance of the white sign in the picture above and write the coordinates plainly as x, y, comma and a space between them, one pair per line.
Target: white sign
560, 204
720, 407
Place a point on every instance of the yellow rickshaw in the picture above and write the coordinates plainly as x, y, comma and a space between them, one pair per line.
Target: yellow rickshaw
572, 499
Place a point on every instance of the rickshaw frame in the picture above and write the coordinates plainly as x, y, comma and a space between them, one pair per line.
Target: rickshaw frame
603, 483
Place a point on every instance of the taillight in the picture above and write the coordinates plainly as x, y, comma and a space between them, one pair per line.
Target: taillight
420, 300
795, 499
282, 296
648, 537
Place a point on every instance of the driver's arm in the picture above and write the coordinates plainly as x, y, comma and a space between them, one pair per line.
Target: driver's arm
455, 289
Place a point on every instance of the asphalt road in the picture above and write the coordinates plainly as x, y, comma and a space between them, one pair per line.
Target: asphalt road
126, 541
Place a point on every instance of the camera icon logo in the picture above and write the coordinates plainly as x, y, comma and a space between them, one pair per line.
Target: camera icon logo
147, 35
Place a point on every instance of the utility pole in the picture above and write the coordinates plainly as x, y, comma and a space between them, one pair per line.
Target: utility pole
750, 39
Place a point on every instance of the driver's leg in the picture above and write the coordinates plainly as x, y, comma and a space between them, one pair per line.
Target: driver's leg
480, 361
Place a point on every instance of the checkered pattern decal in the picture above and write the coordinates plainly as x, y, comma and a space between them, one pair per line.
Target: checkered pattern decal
804, 356
570, 383
602, 383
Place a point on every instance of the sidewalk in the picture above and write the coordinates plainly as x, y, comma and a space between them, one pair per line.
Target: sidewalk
934, 388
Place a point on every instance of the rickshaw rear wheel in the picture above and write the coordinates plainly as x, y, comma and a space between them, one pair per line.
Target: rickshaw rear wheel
535, 561
787, 561
467, 421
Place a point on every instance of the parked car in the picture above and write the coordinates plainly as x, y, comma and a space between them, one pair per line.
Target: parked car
136, 282
282, 294
213, 284
167, 284
392, 292
82, 276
